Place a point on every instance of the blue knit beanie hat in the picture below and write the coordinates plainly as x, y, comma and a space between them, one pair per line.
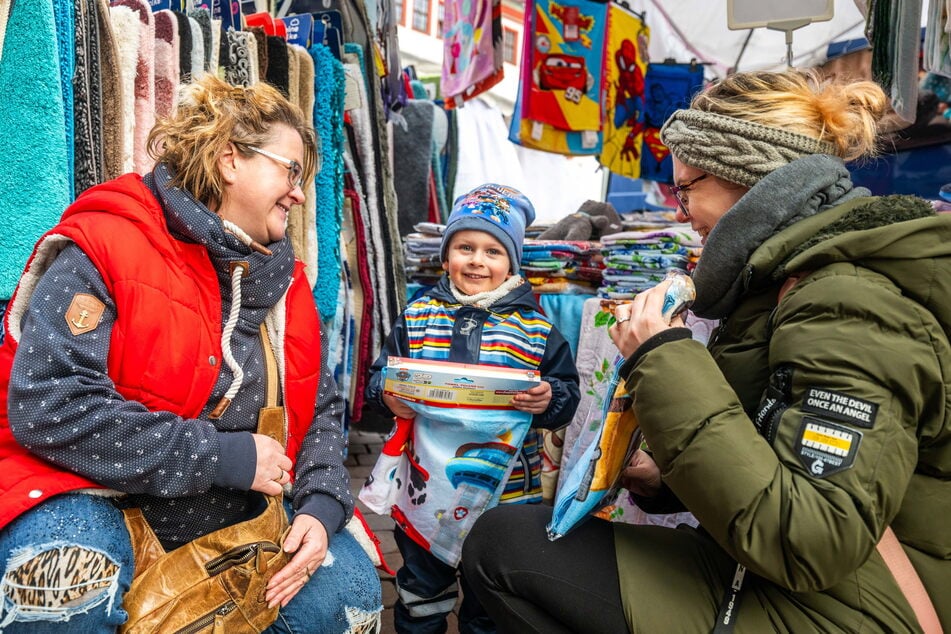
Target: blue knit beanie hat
500, 211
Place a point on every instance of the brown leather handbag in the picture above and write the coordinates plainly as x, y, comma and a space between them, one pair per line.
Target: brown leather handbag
215, 583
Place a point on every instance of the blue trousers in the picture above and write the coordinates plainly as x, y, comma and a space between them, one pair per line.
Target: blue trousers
427, 593
76, 550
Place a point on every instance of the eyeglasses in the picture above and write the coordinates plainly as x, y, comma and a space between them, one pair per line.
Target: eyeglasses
295, 173
678, 192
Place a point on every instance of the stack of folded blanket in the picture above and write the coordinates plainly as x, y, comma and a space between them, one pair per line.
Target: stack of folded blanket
421, 253
560, 266
635, 261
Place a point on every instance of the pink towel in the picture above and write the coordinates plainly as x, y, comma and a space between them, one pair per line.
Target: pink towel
167, 69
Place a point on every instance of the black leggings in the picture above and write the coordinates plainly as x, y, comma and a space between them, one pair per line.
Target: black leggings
529, 584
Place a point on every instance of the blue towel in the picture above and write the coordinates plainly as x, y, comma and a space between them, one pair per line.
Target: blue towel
35, 179
565, 312
328, 122
65, 14
667, 87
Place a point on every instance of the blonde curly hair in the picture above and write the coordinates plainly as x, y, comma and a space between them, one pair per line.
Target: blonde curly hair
212, 113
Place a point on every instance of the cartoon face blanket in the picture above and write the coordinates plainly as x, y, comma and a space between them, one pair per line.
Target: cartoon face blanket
668, 87
472, 49
566, 64
439, 472
626, 66
558, 108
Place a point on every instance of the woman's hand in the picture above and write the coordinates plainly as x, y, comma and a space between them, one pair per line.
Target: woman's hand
641, 476
271, 472
398, 406
639, 320
534, 400
308, 540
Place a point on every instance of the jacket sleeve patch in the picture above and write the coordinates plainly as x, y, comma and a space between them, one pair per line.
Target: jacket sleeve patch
84, 313
839, 406
825, 448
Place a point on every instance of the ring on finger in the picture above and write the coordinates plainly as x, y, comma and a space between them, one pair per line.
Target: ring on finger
280, 477
623, 319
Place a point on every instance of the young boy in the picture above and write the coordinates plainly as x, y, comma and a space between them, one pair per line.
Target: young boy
481, 311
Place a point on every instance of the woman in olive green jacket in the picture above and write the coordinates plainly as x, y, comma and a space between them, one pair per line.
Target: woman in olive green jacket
818, 416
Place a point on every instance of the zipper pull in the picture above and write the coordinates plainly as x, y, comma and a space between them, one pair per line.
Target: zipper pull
259, 562
219, 627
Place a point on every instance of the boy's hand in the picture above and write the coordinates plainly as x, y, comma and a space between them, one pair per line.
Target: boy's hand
534, 400
398, 406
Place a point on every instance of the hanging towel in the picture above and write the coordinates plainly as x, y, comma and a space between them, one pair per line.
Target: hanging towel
624, 117
328, 123
184, 47
363, 308
113, 138
481, 136
277, 74
4, 18
293, 76
472, 62
34, 177
547, 138
167, 62
894, 30
197, 59
203, 17
260, 43
668, 87
64, 11
363, 167
936, 54
538, 135
567, 64
413, 146
87, 100
239, 58
126, 27
144, 89
306, 93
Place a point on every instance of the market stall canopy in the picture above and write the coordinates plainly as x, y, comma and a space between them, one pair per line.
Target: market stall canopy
697, 29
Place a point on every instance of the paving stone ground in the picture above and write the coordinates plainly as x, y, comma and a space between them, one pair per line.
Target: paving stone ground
364, 448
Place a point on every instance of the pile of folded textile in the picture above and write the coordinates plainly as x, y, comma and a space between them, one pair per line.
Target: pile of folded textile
421, 253
561, 266
635, 261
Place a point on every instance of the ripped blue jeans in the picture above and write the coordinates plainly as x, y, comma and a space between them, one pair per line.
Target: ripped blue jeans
67, 563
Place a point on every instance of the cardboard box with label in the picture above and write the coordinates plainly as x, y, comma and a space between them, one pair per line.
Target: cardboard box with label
446, 384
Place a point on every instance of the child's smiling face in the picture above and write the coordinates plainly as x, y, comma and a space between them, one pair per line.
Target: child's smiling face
476, 261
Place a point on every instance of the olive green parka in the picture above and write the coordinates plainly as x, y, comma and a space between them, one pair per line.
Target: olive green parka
813, 421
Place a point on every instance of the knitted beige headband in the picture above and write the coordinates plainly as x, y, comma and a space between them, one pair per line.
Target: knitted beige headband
736, 150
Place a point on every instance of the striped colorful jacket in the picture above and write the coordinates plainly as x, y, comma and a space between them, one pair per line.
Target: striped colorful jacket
512, 333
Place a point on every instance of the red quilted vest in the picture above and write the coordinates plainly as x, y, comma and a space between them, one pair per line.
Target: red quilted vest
165, 350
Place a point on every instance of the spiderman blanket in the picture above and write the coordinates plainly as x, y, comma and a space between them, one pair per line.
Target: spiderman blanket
626, 64
668, 87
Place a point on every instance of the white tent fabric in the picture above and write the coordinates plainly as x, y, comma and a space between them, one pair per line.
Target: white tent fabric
556, 184
686, 29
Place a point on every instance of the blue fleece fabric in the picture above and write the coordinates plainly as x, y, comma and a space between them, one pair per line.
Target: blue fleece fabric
65, 14
328, 122
35, 179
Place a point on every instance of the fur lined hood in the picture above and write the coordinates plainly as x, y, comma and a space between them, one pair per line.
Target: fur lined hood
867, 231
